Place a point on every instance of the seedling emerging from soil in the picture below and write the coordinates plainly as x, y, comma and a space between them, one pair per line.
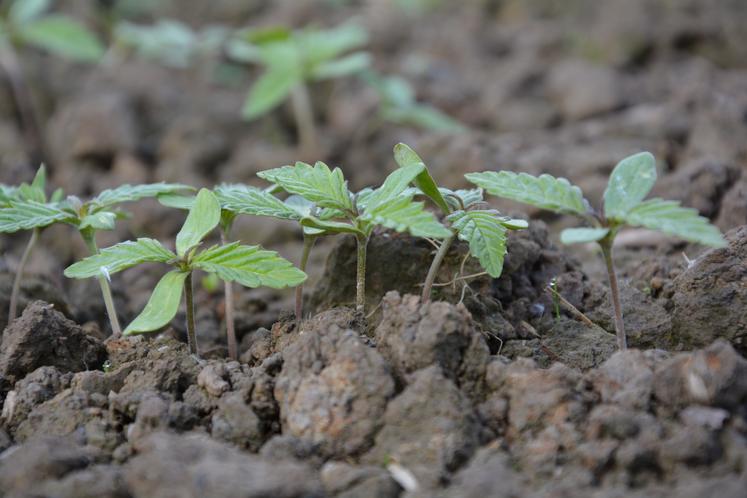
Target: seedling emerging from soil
630, 182
391, 205
484, 230
248, 265
99, 213
24, 23
292, 60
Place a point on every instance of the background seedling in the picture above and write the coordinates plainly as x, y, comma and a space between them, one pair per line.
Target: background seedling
26, 23
248, 265
391, 205
630, 182
99, 213
484, 230
292, 60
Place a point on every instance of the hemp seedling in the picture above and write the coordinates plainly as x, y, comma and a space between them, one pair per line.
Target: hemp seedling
250, 266
391, 205
23, 23
292, 60
87, 217
36, 192
630, 182
485, 230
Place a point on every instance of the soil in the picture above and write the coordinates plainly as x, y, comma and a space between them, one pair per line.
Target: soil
490, 389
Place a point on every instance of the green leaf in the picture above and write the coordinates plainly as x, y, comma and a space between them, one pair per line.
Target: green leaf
582, 235
251, 266
270, 90
25, 215
402, 214
63, 36
320, 185
671, 218
485, 235
176, 201
102, 220
322, 45
203, 217
630, 182
469, 197
23, 11
131, 193
329, 226
545, 191
7, 194
162, 305
422, 116
40, 179
344, 66
394, 184
255, 202
405, 156
28, 193
120, 257
57, 195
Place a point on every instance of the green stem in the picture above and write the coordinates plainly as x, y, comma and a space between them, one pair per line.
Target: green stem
308, 243
606, 245
90, 239
435, 267
303, 113
233, 348
360, 285
13, 311
191, 335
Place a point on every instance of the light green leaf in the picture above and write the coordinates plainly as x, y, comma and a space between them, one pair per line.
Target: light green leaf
469, 197
25, 215
402, 214
176, 201
270, 90
251, 266
253, 201
28, 193
131, 193
394, 185
162, 305
203, 217
485, 235
671, 218
40, 179
119, 257
322, 45
422, 116
582, 235
405, 156
329, 226
630, 182
344, 66
7, 194
63, 36
23, 11
57, 195
322, 186
102, 220
545, 191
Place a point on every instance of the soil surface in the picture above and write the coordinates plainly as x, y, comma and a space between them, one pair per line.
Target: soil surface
490, 389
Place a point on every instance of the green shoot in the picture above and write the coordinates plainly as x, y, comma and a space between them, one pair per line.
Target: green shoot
292, 60
624, 205
391, 206
33, 212
250, 266
484, 230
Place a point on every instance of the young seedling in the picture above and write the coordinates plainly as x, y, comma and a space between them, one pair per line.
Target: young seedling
391, 205
484, 230
36, 191
99, 213
624, 205
250, 266
292, 60
24, 23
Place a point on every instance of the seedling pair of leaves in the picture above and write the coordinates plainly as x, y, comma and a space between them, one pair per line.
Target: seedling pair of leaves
484, 230
250, 266
292, 59
28, 209
630, 182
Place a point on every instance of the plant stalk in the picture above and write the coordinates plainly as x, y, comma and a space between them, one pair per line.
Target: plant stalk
606, 245
435, 267
191, 335
106, 291
308, 243
303, 113
13, 311
233, 348
360, 285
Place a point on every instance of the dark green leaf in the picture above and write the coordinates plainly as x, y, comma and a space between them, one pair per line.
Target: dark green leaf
119, 257
162, 305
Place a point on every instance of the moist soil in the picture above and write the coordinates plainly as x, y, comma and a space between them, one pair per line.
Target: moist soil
492, 388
